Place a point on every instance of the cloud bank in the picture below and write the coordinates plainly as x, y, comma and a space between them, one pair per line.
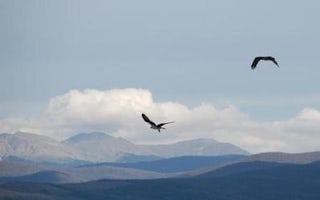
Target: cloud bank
118, 113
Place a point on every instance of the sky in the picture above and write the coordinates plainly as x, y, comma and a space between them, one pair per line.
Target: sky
70, 66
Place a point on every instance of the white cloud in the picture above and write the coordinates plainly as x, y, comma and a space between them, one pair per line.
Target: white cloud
113, 108
118, 112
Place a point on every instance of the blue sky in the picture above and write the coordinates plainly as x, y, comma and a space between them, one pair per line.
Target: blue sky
191, 52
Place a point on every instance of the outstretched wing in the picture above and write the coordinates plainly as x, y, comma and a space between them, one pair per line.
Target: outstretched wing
274, 61
255, 62
160, 125
146, 119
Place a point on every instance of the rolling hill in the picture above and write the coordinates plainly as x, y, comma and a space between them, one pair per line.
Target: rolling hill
176, 164
268, 181
280, 157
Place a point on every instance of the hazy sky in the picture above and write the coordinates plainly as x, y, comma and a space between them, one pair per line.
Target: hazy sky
179, 55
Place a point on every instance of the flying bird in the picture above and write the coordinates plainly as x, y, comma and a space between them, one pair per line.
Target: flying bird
257, 59
154, 125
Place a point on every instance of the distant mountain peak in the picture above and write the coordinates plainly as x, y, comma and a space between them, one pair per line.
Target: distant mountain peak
87, 137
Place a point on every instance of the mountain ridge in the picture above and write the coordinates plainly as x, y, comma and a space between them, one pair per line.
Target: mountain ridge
100, 147
281, 157
273, 182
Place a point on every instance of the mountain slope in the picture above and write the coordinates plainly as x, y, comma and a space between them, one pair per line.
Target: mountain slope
239, 167
43, 177
113, 149
83, 137
133, 158
26, 171
176, 164
35, 147
285, 181
272, 158
197, 147
14, 168
297, 158
100, 147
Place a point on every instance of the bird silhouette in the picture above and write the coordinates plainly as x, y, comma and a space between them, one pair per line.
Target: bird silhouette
154, 125
257, 59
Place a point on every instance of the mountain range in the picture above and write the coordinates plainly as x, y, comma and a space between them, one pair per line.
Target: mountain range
27, 170
249, 180
99, 147
178, 167
39, 167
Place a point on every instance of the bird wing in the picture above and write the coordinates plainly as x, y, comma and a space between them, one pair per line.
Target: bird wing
159, 125
255, 62
274, 61
146, 119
